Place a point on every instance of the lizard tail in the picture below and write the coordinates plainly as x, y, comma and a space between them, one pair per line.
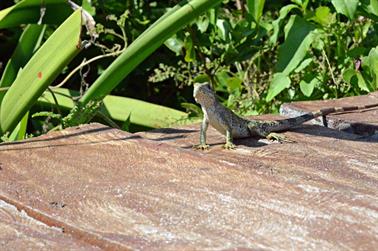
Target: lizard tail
287, 124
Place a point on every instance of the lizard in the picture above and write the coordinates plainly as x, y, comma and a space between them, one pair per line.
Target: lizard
232, 126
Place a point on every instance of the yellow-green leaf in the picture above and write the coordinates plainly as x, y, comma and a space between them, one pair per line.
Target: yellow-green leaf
40, 71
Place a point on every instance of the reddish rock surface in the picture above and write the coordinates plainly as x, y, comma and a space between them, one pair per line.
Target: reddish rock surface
364, 122
95, 187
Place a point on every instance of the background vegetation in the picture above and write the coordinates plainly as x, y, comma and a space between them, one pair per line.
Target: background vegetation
257, 55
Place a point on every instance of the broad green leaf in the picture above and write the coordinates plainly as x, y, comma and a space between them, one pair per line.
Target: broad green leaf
255, 8
234, 83
370, 63
146, 44
370, 6
203, 23
348, 75
224, 29
40, 71
308, 87
346, 7
276, 23
351, 76
294, 49
29, 11
324, 16
361, 82
279, 83
222, 77
175, 44
29, 41
119, 108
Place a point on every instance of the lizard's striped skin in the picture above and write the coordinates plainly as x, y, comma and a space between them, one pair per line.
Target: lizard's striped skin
233, 126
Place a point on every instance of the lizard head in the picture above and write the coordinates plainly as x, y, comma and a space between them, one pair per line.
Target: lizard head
203, 93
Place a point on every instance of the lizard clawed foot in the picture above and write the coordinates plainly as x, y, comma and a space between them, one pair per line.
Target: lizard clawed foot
229, 146
201, 147
279, 138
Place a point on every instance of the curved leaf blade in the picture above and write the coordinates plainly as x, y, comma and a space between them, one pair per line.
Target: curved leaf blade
298, 40
279, 83
40, 71
27, 44
145, 45
346, 7
119, 108
28, 11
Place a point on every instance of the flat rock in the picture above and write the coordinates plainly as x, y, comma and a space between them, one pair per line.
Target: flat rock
364, 122
110, 189
22, 232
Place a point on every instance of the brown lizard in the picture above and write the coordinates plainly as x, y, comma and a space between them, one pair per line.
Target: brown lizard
232, 126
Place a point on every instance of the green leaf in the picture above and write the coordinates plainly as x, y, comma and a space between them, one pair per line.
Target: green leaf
304, 64
346, 7
87, 5
348, 75
40, 71
126, 124
307, 88
276, 23
118, 108
234, 83
361, 82
175, 44
370, 6
255, 8
294, 49
222, 77
324, 16
224, 29
370, 63
29, 41
145, 44
203, 23
28, 11
19, 132
279, 83
190, 54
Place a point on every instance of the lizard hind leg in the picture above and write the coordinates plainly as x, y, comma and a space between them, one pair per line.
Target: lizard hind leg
278, 137
229, 145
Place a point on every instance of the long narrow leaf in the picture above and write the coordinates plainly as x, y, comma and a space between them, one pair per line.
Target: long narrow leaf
19, 132
119, 108
144, 46
27, 44
255, 8
28, 11
40, 71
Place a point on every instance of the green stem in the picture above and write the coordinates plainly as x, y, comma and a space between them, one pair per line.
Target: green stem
145, 45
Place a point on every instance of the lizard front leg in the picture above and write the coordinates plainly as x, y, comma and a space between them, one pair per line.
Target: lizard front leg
229, 144
203, 129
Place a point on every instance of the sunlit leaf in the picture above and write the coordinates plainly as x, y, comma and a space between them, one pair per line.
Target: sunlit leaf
346, 7
119, 108
40, 71
294, 49
29, 12
279, 83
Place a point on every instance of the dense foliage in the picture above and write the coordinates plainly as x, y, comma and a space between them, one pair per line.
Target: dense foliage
256, 54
